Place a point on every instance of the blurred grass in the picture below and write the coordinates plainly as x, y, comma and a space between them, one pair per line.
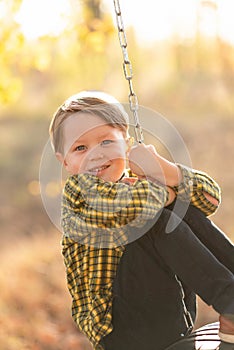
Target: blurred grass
34, 304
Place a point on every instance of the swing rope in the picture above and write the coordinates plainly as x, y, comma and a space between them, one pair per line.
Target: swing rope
128, 72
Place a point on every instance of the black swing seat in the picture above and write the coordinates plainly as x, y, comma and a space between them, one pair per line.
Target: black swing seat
204, 338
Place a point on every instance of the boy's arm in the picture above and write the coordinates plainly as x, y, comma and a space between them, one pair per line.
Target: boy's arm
91, 204
198, 188
189, 185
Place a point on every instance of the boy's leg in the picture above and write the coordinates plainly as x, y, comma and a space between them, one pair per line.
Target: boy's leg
211, 236
147, 308
194, 263
216, 275
208, 233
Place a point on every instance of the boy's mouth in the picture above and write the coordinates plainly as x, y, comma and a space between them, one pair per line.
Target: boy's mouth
99, 169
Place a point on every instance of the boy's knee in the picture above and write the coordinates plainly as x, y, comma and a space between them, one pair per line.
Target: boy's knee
195, 216
164, 221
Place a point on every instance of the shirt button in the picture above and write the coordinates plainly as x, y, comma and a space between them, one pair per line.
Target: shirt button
190, 182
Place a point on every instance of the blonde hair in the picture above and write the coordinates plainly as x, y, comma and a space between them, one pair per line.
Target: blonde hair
97, 103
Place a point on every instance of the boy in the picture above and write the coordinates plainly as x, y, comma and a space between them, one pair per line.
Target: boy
125, 273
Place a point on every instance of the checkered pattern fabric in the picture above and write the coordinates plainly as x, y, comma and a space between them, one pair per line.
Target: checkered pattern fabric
91, 205
192, 189
99, 213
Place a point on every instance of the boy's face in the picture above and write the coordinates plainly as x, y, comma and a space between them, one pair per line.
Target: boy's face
94, 147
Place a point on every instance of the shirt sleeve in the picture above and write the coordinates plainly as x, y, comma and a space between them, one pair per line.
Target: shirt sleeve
92, 205
193, 186
89, 192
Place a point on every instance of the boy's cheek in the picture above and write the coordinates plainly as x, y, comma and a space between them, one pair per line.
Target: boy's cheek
117, 153
71, 165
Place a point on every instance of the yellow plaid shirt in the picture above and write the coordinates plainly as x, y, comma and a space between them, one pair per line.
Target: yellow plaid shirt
95, 220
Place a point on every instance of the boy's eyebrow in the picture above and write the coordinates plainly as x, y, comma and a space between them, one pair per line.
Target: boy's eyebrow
80, 139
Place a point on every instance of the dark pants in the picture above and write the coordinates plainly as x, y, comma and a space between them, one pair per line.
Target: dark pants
147, 306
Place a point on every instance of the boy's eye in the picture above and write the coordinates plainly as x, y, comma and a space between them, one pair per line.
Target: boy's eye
80, 148
106, 142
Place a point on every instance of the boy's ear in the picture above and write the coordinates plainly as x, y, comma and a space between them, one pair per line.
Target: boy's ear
130, 143
60, 157
62, 160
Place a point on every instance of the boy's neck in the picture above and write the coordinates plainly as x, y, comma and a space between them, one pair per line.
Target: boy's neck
125, 174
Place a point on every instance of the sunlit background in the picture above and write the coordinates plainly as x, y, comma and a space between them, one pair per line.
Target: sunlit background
182, 53
153, 20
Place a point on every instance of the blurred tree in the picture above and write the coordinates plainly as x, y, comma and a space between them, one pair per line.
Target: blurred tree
95, 27
92, 9
93, 33
70, 61
226, 58
11, 42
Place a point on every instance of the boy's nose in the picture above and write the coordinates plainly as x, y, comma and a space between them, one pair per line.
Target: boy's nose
96, 155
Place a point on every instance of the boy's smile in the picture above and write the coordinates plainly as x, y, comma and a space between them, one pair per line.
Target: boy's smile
94, 147
99, 170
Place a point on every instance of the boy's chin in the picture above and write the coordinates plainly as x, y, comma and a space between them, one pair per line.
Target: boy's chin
107, 178
104, 177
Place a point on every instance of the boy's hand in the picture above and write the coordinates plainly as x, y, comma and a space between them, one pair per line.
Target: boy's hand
145, 161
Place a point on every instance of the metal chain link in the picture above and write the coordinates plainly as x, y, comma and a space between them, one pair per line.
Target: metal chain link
127, 68
187, 316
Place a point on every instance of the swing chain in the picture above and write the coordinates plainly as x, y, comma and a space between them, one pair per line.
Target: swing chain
128, 73
187, 316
